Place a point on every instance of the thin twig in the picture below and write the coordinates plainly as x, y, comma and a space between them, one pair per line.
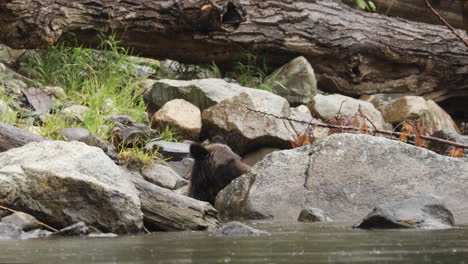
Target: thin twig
390, 7
40, 223
445, 22
146, 230
339, 110
352, 128
368, 119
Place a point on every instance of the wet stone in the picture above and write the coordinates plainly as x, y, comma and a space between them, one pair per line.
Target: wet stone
237, 229
78, 229
22, 220
420, 212
36, 233
311, 214
9, 231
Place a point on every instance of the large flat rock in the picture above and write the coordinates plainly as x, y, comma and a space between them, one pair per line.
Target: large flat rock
202, 92
346, 175
62, 183
245, 130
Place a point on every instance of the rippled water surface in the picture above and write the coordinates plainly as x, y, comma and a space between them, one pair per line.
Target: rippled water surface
289, 243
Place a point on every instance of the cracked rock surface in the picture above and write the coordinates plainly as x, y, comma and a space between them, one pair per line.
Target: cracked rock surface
346, 175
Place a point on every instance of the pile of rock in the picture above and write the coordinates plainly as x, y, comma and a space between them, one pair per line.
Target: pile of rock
345, 175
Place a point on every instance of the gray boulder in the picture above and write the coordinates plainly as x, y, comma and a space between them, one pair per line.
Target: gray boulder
9, 54
302, 113
163, 176
327, 107
345, 175
90, 139
295, 81
184, 190
257, 155
237, 229
414, 212
9, 231
433, 117
36, 233
24, 221
78, 229
182, 167
245, 130
63, 183
203, 93
381, 99
174, 150
181, 116
311, 214
83, 135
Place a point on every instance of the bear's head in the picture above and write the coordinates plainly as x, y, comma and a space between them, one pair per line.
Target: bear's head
215, 166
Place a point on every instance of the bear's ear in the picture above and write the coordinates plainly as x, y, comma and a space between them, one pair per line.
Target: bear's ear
198, 151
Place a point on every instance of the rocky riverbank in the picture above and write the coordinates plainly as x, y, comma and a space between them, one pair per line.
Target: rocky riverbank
101, 166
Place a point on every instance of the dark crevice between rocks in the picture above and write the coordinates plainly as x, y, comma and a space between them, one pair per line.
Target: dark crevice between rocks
306, 172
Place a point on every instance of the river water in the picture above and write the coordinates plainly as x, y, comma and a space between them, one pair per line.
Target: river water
289, 243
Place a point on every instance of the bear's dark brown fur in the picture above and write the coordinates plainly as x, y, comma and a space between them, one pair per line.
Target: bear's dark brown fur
215, 166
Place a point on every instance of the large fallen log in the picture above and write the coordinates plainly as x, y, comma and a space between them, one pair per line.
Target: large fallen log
165, 210
416, 10
464, 10
353, 52
13, 137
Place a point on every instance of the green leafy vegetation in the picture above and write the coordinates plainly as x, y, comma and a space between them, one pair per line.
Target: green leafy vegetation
7, 115
362, 4
137, 156
251, 73
216, 70
108, 82
167, 134
104, 81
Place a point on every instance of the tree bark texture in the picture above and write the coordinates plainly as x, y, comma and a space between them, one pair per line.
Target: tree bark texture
464, 8
416, 10
165, 210
13, 137
352, 52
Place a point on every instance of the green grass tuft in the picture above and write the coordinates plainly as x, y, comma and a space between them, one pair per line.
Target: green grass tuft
250, 72
102, 80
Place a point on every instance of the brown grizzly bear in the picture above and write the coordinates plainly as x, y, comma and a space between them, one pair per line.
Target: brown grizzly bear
215, 166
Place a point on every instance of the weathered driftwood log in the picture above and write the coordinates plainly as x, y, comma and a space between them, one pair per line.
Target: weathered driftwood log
353, 52
168, 211
13, 137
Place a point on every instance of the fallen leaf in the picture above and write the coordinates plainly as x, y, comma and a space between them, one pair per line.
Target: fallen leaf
405, 132
457, 153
